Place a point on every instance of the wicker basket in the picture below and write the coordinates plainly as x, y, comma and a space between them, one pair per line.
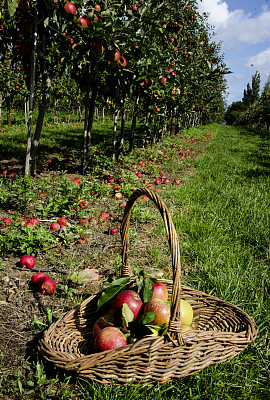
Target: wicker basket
222, 329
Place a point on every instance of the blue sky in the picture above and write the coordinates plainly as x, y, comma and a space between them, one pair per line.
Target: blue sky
243, 27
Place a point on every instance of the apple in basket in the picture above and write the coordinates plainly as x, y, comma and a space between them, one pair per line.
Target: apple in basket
131, 298
160, 291
186, 313
161, 309
110, 338
101, 323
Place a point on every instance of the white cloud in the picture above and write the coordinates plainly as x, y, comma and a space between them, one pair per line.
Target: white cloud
260, 62
234, 27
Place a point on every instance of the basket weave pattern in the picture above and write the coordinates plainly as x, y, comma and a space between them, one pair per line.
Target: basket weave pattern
222, 330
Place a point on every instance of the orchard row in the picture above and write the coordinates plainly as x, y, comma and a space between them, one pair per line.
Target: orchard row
155, 59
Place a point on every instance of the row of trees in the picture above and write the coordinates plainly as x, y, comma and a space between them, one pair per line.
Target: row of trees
254, 109
155, 57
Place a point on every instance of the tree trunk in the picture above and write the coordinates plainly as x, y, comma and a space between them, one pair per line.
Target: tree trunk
68, 112
122, 130
31, 96
115, 120
103, 115
55, 118
26, 111
133, 123
8, 101
0, 109
87, 151
42, 109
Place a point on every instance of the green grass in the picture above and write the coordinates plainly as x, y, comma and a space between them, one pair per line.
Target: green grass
221, 215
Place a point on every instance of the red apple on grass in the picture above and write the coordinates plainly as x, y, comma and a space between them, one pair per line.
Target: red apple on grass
118, 196
161, 309
131, 298
27, 261
114, 231
55, 227
62, 221
37, 279
6, 222
47, 286
93, 221
110, 338
34, 221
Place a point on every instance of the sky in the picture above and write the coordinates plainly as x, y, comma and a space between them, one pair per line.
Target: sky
243, 27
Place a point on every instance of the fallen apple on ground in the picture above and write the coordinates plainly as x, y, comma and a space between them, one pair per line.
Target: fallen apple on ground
27, 261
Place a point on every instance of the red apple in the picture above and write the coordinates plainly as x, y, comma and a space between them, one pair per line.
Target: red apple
166, 180
101, 323
70, 8
93, 221
122, 205
131, 298
83, 240
109, 338
97, 49
6, 222
114, 231
134, 7
186, 312
177, 181
118, 196
82, 23
34, 221
41, 195
83, 204
47, 286
104, 217
163, 80
27, 261
84, 222
123, 62
139, 175
146, 182
37, 279
97, 7
160, 291
161, 309
55, 226
62, 221
114, 55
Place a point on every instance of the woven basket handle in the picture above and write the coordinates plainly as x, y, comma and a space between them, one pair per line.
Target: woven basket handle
174, 328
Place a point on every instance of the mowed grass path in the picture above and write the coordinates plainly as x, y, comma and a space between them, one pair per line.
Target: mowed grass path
224, 232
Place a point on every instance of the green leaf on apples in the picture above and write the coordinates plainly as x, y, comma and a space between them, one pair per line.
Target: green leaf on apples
127, 315
147, 318
148, 289
137, 330
110, 292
